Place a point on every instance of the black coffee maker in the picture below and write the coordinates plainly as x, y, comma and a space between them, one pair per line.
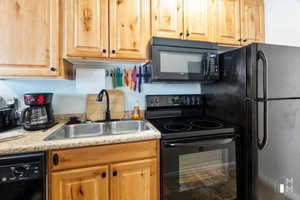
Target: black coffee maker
39, 114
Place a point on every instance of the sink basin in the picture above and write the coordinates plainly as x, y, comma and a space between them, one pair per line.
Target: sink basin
98, 129
123, 127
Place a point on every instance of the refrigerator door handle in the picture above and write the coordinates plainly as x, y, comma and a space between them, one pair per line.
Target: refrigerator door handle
261, 144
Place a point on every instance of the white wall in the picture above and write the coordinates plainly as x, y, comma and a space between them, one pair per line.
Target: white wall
282, 22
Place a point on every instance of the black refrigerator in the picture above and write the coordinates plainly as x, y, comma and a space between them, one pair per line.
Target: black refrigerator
259, 91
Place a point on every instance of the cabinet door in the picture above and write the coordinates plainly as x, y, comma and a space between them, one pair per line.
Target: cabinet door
228, 22
198, 20
86, 28
136, 180
29, 38
87, 183
167, 18
129, 28
253, 28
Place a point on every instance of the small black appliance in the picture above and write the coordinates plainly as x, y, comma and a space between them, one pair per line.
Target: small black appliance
199, 155
8, 116
184, 60
39, 114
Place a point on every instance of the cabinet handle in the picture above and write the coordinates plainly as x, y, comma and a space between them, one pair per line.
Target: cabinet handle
245, 40
104, 50
115, 173
53, 69
113, 51
55, 159
103, 175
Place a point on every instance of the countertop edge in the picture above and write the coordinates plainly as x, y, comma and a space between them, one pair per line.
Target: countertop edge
34, 141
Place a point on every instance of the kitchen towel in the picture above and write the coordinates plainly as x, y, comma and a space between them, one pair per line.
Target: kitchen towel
90, 80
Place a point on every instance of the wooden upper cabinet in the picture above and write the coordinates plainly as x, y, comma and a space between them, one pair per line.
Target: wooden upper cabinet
167, 18
228, 22
29, 38
80, 184
129, 28
199, 20
86, 28
135, 180
253, 27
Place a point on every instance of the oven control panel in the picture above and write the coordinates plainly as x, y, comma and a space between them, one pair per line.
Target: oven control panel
174, 100
21, 171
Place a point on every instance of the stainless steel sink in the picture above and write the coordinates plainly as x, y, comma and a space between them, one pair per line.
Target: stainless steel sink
123, 127
98, 129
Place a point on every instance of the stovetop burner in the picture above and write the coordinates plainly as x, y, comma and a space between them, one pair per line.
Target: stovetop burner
177, 127
181, 127
206, 124
183, 116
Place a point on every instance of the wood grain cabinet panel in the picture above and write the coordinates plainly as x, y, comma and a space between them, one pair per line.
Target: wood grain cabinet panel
89, 156
199, 20
167, 18
135, 180
129, 28
228, 22
30, 38
253, 27
81, 184
86, 28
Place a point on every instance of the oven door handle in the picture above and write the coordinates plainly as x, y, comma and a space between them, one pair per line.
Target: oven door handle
204, 143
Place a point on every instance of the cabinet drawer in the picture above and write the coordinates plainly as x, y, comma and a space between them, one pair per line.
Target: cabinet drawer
89, 156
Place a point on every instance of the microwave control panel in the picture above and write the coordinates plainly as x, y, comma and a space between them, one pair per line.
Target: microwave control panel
213, 71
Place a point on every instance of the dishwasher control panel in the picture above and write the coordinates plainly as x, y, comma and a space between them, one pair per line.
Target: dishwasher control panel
20, 171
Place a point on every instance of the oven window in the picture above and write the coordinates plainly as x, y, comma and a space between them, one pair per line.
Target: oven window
180, 62
209, 175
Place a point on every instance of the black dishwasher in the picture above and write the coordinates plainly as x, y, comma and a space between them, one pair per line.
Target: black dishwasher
23, 176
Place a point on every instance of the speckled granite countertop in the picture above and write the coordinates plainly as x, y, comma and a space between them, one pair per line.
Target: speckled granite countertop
34, 141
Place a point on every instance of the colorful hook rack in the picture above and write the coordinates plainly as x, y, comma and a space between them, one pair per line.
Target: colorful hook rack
133, 78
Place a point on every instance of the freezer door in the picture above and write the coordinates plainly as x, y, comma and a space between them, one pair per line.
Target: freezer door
283, 71
278, 161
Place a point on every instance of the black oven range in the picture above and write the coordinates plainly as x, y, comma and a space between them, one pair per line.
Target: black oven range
199, 155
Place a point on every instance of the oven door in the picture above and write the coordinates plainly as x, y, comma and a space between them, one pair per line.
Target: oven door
197, 169
183, 64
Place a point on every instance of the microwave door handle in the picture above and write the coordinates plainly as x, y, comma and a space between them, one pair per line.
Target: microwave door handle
207, 66
205, 143
204, 65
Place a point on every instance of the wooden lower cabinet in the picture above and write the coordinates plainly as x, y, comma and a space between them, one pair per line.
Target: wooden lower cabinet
123, 177
135, 180
80, 184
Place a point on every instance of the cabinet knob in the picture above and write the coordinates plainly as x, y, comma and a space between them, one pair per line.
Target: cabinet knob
187, 34
55, 159
113, 51
240, 39
104, 50
115, 173
103, 175
245, 40
53, 69
181, 34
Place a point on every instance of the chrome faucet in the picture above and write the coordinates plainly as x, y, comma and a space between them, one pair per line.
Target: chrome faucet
100, 99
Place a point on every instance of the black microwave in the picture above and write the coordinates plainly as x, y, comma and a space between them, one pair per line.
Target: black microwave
184, 60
